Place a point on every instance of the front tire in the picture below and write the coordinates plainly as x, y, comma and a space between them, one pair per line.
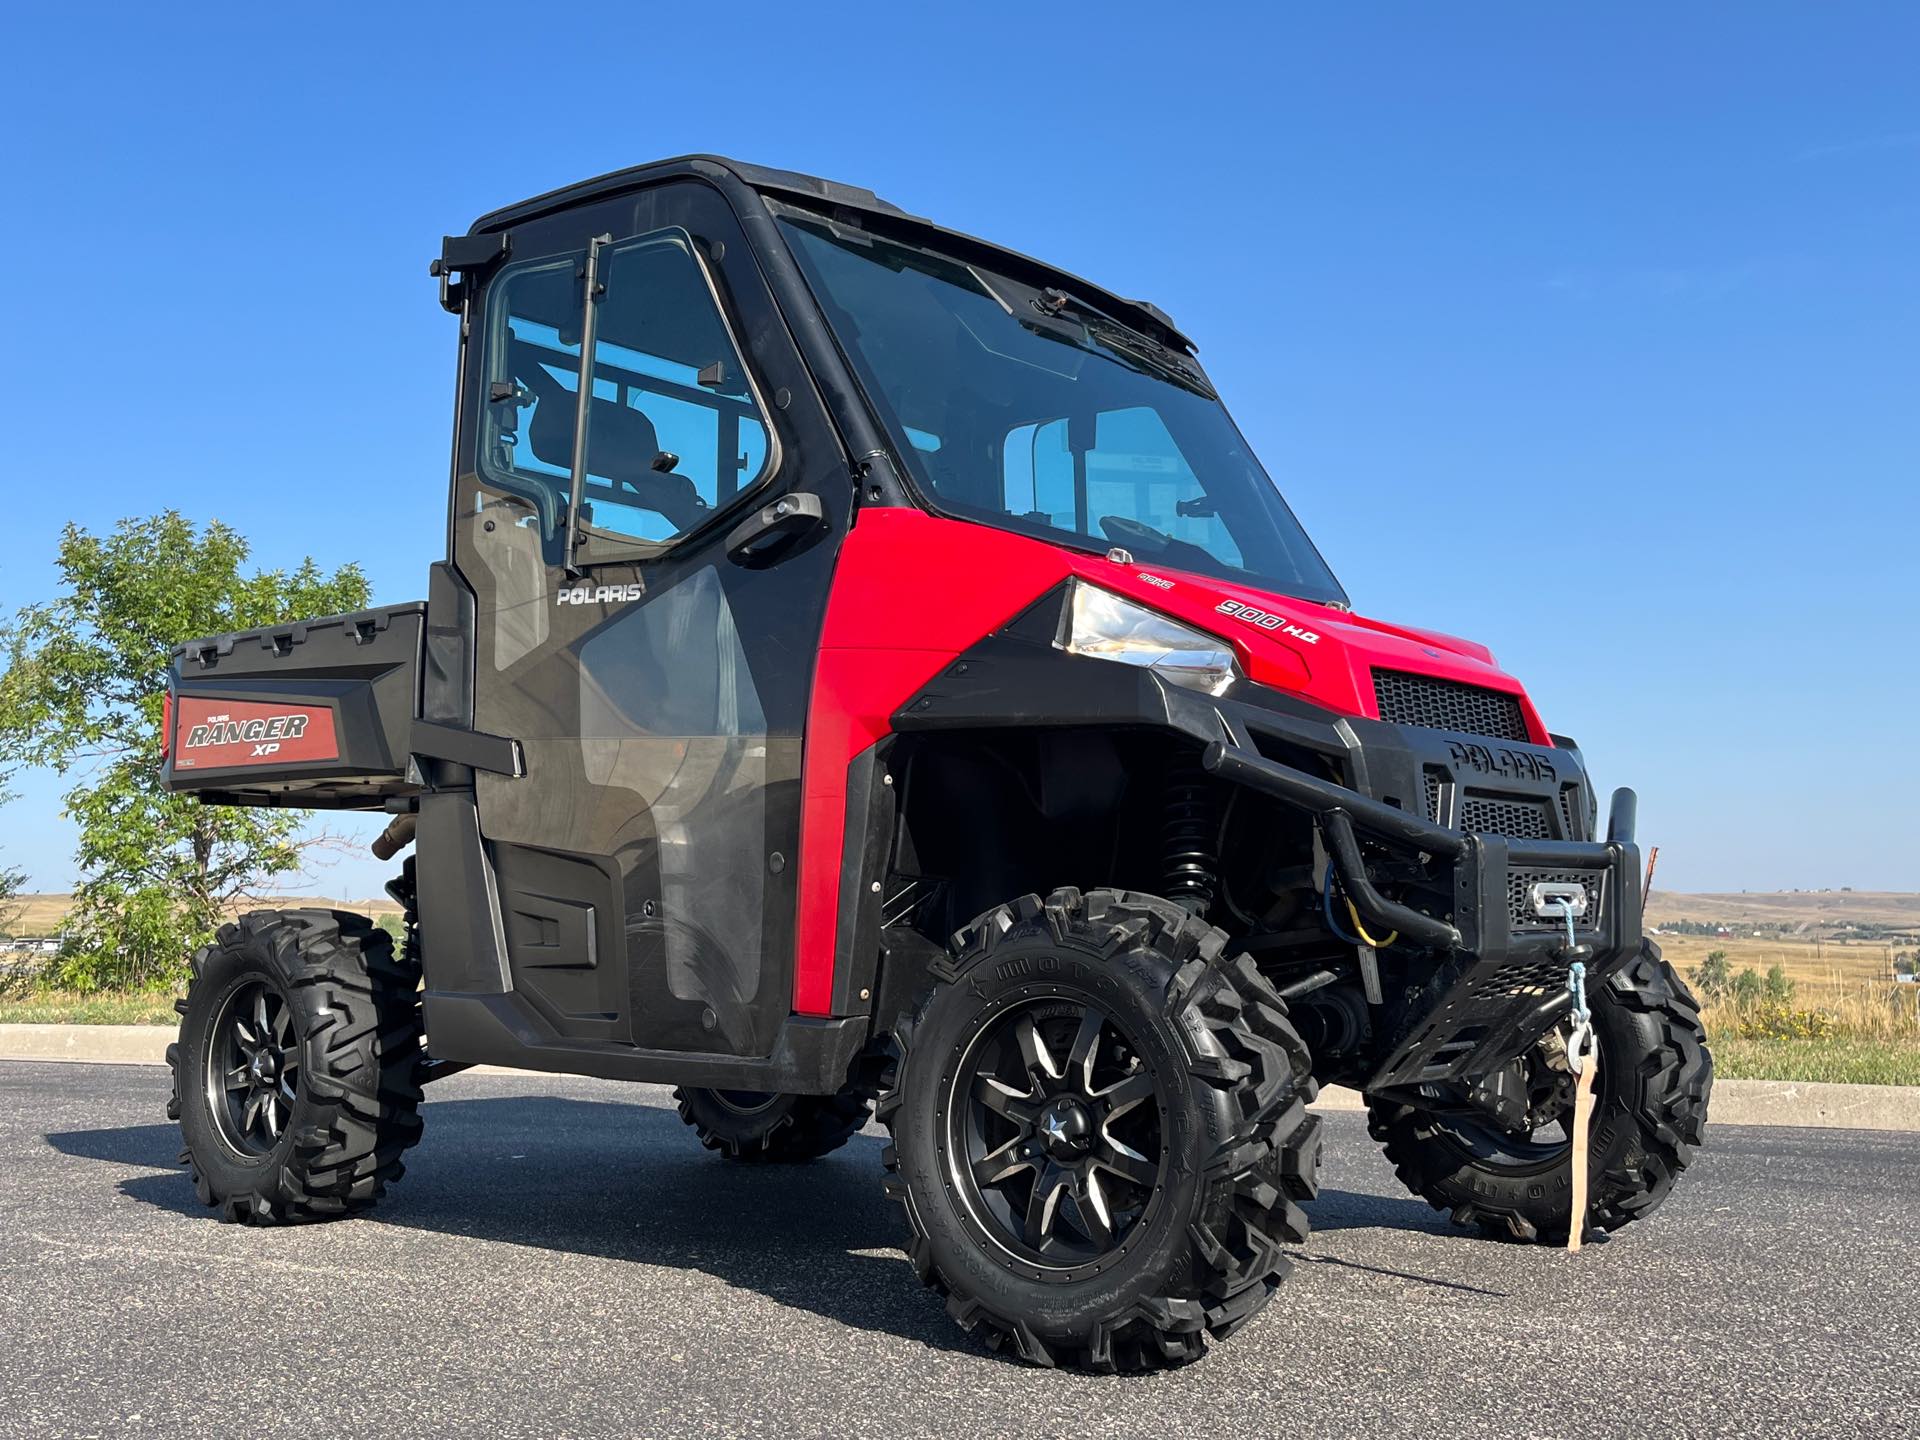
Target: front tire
1650, 1111
1100, 1132
294, 1077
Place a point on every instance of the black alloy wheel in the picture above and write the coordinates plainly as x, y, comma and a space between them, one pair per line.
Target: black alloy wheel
253, 1070
1544, 1137
1056, 1133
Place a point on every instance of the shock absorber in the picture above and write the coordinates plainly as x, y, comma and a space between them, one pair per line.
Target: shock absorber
1189, 836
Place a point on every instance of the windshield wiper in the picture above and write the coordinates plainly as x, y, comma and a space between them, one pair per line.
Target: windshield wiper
1135, 345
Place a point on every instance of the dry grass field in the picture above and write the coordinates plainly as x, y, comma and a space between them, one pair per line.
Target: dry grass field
1848, 1019
44, 914
1824, 972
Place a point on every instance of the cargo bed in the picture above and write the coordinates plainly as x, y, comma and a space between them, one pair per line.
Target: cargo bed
315, 713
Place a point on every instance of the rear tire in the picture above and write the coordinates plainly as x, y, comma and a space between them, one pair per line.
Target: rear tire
294, 1078
750, 1125
1650, 1111
1100, 1132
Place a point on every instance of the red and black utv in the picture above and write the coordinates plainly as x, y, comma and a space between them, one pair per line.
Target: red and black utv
869, 666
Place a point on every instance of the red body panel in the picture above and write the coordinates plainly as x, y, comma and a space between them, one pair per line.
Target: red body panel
911, 591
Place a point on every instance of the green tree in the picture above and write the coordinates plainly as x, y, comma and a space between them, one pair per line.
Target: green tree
1778, 986
10, 882
1748, 986
1713, 976
82, 693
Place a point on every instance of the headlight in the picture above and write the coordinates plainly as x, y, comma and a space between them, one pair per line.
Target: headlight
1101, 624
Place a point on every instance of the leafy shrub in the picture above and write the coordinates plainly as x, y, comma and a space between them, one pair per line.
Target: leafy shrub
1713, 976
1767, 1019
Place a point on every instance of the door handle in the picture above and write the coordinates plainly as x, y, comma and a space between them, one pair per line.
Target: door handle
775, 526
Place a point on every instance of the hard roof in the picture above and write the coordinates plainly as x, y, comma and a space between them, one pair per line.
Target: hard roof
804, 188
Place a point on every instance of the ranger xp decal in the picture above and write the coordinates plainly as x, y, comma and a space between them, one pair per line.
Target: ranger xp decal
214, 734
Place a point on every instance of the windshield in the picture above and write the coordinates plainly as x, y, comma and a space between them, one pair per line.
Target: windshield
1032, 410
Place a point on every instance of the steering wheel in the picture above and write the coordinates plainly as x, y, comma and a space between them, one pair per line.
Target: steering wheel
1124, 530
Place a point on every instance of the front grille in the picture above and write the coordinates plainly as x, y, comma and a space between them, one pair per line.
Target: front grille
1436, 793
1435, 704
1495, 815
1520, 911
1569, 806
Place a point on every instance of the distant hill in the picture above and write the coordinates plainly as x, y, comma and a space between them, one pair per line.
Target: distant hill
1800, 911
44, 914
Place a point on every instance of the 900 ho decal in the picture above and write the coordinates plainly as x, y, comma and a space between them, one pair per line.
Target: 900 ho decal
1267, 620
218, 734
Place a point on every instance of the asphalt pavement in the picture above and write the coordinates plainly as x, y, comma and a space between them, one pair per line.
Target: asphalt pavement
563, 1258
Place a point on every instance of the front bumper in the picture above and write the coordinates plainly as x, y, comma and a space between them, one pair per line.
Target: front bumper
1499, 977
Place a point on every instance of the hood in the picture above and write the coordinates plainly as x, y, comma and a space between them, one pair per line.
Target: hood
1323, 655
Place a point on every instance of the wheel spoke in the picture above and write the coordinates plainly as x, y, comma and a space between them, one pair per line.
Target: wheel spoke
252, 1113
1044, 1203
237, 1078
1003, 1099
1033, 1049
1006, 1162
1126, 1162
242, 1033
271, 1109
286, 1090
1091, 1203
1125, 1093
260, 1014
283, 1023
1086, 1044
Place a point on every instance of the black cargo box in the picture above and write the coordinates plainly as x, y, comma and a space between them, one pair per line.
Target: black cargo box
314, 713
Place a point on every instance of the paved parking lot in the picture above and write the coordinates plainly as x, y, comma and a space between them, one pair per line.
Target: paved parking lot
563, 1258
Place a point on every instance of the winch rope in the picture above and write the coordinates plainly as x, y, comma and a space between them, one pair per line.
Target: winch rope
1583, 1058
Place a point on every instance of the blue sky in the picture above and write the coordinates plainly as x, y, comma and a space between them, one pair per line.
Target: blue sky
1592, 333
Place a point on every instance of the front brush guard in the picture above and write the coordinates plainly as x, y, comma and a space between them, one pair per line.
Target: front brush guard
1498, 982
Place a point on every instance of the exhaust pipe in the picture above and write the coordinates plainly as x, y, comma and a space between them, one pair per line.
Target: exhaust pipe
395, 838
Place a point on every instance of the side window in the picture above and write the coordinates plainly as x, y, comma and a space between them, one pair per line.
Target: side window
674, 431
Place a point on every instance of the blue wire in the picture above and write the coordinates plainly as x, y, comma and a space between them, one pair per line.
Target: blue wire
1326, 904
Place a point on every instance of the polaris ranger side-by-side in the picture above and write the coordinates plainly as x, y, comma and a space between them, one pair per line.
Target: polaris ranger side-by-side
870, 668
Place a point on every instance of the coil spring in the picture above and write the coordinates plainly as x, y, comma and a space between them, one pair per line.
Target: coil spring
1189, 835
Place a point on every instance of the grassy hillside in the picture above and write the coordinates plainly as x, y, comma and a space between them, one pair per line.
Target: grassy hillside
1803, 912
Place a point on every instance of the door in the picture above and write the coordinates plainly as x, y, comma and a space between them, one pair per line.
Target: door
656, 682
